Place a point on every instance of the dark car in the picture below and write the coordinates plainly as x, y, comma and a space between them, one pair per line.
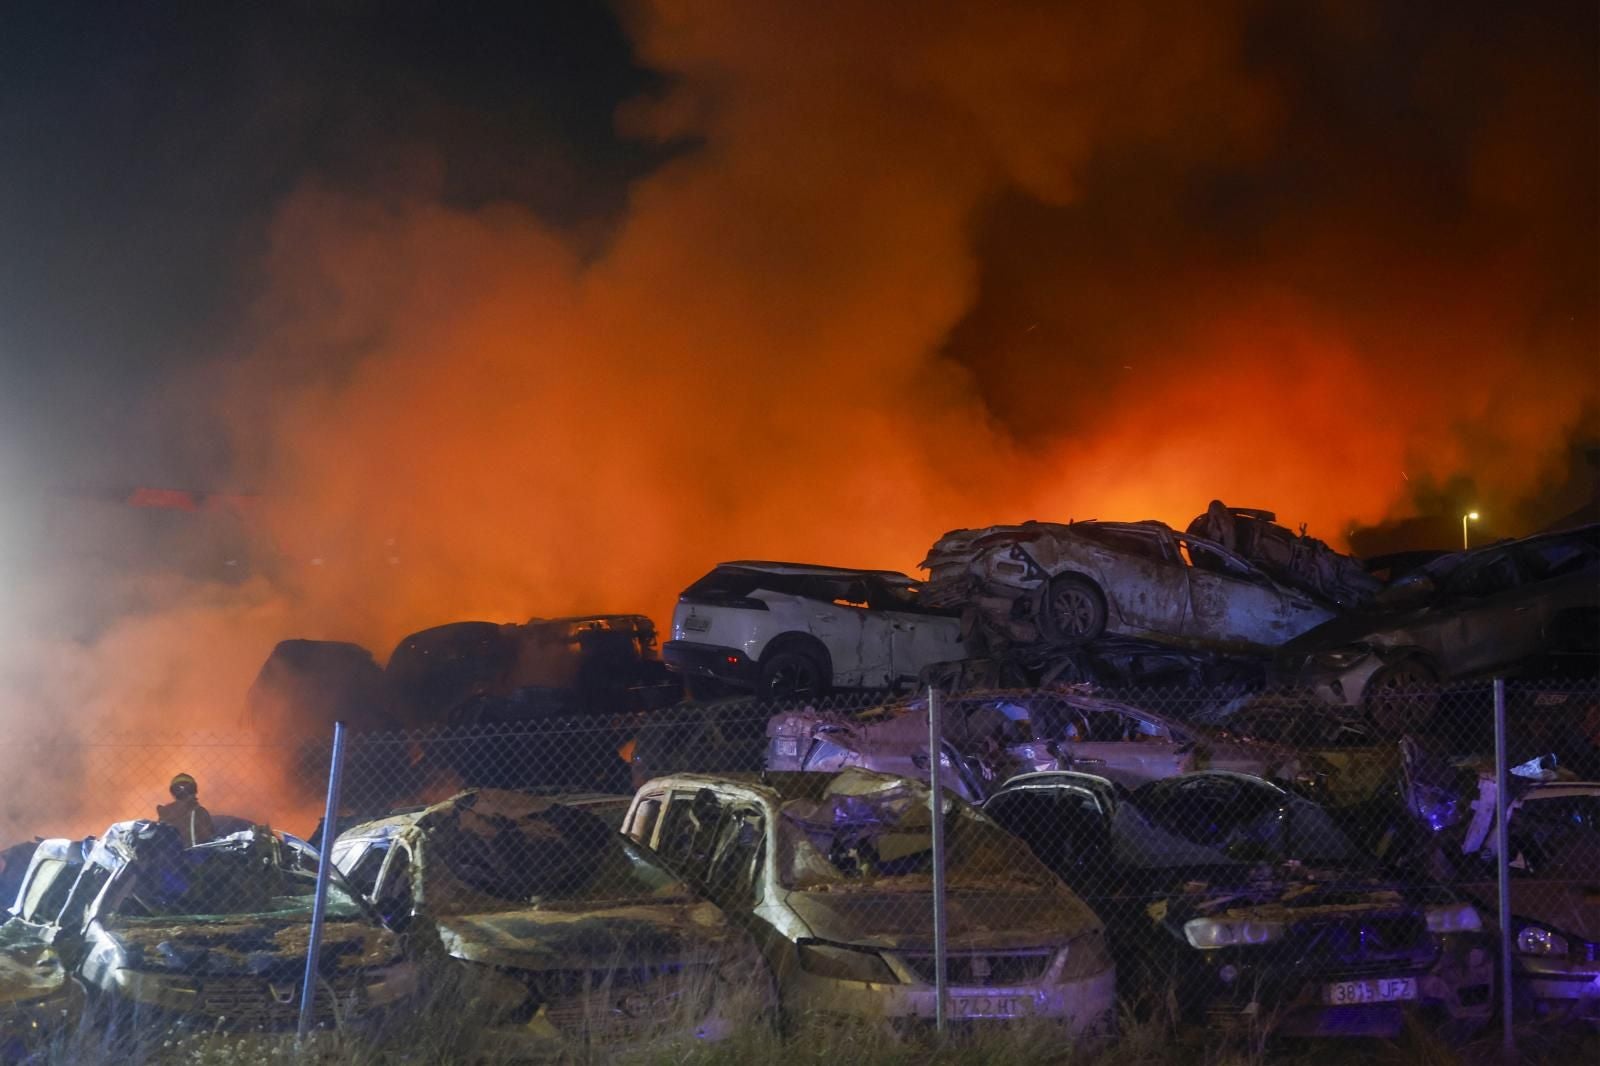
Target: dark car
1462, 615
1249, 905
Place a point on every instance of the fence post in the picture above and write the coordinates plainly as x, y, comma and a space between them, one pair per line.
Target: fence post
1502, 786
936, 802
330, 831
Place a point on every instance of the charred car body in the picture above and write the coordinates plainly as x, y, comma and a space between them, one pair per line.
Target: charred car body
1459, 616
832, 874
1043, 582
1554, 833
1294, 559
991, 737
567, 932
1254, 907
786, 630
38, 996
216, 934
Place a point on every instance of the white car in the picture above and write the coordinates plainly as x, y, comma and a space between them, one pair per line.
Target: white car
787, 630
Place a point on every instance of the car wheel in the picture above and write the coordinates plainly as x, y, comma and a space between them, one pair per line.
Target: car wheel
793, 674
1402, 696
1073, 610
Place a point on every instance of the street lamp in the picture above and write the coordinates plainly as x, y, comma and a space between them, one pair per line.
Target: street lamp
1469, 516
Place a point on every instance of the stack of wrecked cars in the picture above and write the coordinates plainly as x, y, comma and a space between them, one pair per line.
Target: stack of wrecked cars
832, 874
568, 934
1251, 909
990, 737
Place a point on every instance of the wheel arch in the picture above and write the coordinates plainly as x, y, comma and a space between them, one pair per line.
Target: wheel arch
794, 640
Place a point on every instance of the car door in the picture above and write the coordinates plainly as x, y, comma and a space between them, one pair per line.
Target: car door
1123, 747
1231, 603
836, 611
918, 636
1488, 615
1142, 579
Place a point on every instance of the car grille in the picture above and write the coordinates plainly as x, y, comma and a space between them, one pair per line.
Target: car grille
1360, 943
1015, 968
623, 1005
252, 1002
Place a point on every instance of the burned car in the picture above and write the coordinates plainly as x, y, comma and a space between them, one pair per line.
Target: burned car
833, 876
1554, 836
1462, 615
787, 630
991, 737
566, 932
1354, 762
1252, 908
216, 934
1297, 560
38, 997
1067, 584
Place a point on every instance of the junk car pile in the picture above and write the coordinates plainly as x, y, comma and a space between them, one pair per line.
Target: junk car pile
1314, 858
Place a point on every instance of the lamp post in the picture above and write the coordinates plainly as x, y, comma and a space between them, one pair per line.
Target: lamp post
1471, 516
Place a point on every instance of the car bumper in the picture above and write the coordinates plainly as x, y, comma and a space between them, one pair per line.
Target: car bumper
1084, 1005
711, 660
1559, 988
1457, 988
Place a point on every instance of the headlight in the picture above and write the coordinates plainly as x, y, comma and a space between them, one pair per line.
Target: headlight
1086, 955
845, 964
1208, 934
1534, 940
1454, 918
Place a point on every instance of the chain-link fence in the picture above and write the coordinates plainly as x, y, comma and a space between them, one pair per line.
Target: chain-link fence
1255, 861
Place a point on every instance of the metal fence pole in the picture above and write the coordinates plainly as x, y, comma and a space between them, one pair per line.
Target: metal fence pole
936, 805
330, 830
1502, 787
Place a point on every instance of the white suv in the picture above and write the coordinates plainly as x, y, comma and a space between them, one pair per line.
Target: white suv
788, 630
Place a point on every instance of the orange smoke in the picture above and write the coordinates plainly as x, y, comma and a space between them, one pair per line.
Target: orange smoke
797, 343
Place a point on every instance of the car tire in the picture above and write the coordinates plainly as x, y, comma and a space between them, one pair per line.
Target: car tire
1072, 611
1401, 696
794, 672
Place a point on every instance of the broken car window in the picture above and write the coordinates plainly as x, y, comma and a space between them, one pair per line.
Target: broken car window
1131, 541
886, 838
211, 881
477, 862
1226, 820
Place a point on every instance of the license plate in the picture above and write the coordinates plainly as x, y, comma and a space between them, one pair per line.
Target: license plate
986, 1006
695, 624
789, 746
1372, 990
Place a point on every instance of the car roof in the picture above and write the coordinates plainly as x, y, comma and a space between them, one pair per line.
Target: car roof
489, 799
811, 569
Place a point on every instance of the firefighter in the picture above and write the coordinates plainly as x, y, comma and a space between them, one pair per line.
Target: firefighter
193, 821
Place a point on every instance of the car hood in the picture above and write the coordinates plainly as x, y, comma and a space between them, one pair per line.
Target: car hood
905, 919
536, 939
1294, 898
248, 946
29, 968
